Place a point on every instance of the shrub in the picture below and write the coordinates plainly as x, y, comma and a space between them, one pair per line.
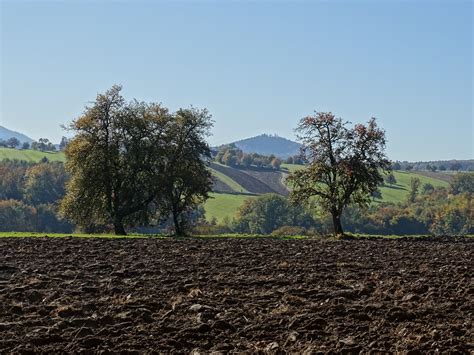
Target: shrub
15, 216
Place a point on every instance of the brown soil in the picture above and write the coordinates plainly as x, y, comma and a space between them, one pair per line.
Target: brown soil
92, 295
221, 186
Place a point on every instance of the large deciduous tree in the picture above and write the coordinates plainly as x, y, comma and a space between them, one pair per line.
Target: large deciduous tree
188, 180
130, 161
345, 164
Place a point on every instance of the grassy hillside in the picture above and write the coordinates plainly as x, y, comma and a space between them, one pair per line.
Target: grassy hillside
399, 191
30, 155
227, 205
224, 205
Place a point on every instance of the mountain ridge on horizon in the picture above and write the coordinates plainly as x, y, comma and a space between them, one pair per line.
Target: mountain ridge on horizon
6, 134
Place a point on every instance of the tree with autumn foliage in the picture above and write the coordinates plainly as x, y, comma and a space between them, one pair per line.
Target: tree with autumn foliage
345, 164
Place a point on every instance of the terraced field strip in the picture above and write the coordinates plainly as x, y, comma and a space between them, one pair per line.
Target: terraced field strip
272, 178
446, 176
248, 182
228, 181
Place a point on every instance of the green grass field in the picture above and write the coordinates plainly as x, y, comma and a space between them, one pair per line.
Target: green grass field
291, 167
224, 205
76, 235
399, 191
136, 236
30, 155
227, 235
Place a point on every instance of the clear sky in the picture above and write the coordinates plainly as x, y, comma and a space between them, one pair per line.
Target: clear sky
257, 66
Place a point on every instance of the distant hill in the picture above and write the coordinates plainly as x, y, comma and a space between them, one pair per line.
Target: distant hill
266, 144
6, 133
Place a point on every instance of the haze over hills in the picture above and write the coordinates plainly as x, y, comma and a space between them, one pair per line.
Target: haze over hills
6, 133
266, 144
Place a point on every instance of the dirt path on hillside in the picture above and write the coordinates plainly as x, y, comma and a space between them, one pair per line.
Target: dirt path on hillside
71, 295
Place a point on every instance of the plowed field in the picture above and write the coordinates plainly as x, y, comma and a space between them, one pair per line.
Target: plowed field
267, 295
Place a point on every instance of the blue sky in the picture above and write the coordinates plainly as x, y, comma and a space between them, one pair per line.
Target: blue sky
257, 66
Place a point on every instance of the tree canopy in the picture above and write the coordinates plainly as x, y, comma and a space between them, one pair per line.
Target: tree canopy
125, 155
345, 165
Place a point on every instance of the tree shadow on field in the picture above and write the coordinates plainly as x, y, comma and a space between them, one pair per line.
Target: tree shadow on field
395, 187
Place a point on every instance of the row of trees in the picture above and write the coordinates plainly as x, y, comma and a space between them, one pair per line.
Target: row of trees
29, 196
232, 156
43, 144
295, 159
13, 142
435, 166
437, 212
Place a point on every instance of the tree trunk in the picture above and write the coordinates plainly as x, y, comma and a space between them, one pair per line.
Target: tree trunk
177, 226
118, 227
336, 220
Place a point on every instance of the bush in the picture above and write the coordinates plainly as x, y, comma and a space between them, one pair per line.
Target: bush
15, 216
49, 222
269, 212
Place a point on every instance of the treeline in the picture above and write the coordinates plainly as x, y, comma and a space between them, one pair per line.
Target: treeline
30, 195
441, 165
232, 156
295, 159
428, 211
43, 144
433, 211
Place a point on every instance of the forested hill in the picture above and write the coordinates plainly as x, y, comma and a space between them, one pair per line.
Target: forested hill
269, 144
6, 134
